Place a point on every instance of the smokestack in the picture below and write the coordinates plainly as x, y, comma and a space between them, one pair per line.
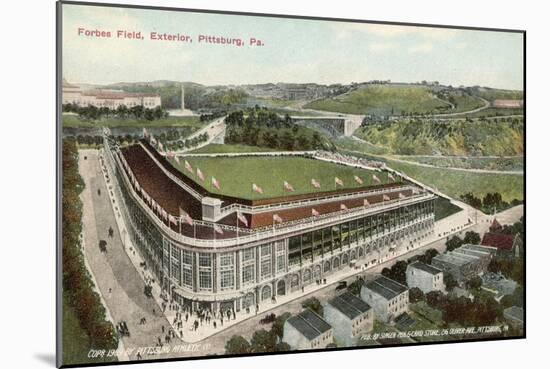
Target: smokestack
182, 98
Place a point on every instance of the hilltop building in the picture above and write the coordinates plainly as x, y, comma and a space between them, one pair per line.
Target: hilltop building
112, 99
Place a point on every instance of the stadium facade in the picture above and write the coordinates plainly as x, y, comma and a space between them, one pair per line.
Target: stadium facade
218, 252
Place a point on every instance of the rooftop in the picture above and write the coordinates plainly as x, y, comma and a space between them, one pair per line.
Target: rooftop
309, 324
349, 305
499, 240
425, 268
385, 287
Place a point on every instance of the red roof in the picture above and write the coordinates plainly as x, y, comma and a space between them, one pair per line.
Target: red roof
499, 240
495, 226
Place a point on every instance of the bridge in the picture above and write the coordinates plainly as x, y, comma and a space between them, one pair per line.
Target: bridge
339, 125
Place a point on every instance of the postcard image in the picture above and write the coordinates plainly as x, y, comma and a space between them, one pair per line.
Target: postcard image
241, 184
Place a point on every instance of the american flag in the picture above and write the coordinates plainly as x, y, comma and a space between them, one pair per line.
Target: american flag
152, 139
201, 175
314, 212
161, 146
185, 217
277, 218
172, 219
217, 229
401, 196
385, 197
338, 181
358, 180
415, 191
343, 207
215, 183
257, 188
145, 133
315, 183
188, 167
390, 176
366, 202
170, 154
288, 186
375, 178
176, 159
242, 218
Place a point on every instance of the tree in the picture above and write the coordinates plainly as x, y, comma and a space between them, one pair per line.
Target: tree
472, 237
237, 345
435, 299
450, 282
453, 243
278, 324
282, 346
314, 304
263, 341
415, 295
474, 283
355, 286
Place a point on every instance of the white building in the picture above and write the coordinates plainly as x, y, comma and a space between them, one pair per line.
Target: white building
388, 298
349, 316
307, 330
111, 99
425, 277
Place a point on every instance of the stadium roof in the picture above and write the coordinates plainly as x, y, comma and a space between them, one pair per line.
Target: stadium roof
349, 305
385, 287
309, 324
425, 267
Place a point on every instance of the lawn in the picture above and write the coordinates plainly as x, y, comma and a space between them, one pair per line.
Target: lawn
224, 148
385, 100
444, 208
455, 183
236, 175
73, 121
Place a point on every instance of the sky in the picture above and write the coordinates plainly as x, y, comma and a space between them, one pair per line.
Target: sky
294, 50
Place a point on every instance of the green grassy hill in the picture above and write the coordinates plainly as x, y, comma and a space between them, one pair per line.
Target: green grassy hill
414, 137
396, 100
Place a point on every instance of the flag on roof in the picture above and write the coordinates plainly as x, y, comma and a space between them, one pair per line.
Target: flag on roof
314, 212
343, 207
385, 197
277, 218
170, 154
172, 219
366, 202
176, 159
415, 191
215, 183
161, 146
390, 176
338, 181
315, 183
401, 196
188, 167
375, 178
242, 218
288, 186
185, 217
152, 139
145, 133
257, 188
218, 229
201, 175
358, 180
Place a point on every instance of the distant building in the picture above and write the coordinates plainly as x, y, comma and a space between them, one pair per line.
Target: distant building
502, 103
387, 297
425, 277
498, 285
507, 244
307, 330
111, 99
465, 262
349, 316
515, 316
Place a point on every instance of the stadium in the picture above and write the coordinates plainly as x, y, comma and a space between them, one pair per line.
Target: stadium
224, 232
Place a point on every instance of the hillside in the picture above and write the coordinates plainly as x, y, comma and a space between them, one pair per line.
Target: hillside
398, 99
414, 137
